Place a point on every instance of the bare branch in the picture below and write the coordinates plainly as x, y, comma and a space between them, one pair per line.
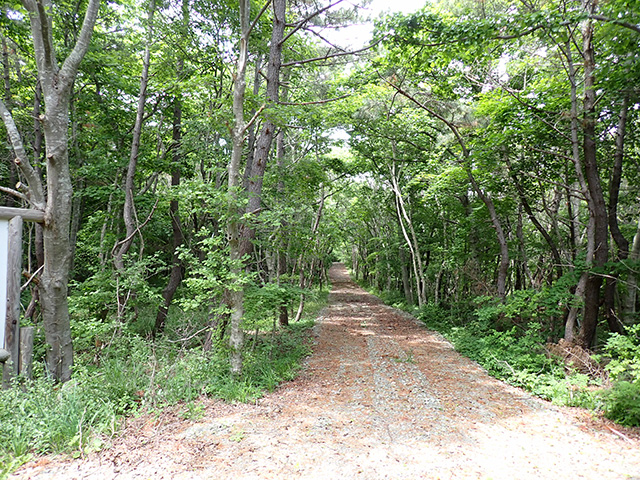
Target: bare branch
23, 287
304, 21
253, 119
316, 102
43, 25
328, 56
137, 230
36, 192
325, 40
15, 193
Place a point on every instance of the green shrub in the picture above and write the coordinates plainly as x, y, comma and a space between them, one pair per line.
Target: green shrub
624, 355
622, 403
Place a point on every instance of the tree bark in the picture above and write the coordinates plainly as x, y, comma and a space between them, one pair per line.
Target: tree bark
177, 269
616, 178
411, 240
283, 315
406, 280
6, 72
128, 212
614, 323
13, 174
251, 137
503, 268
235, 294
265, 139
588, 288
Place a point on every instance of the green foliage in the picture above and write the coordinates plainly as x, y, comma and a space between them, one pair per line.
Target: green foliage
546, 305
624, 353
262, 303
622, 401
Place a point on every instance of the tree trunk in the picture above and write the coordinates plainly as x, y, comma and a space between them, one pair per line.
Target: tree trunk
128, 213
503, 268
597, 205
406, 280
6, 72
583, 288
525, 273
251, 137
265, 139
614, 323
235, 294
573, 221
177, 269
616, 178
411, 240
282, 257
13, 173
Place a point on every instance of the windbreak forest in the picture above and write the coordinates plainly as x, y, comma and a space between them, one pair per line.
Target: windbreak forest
202, 164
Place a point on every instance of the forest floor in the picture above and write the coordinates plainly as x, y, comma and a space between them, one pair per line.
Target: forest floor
380, 398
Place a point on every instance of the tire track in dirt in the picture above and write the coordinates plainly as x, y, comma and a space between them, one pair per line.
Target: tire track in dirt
380, 398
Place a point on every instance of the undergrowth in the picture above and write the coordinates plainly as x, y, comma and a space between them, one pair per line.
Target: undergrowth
133, 375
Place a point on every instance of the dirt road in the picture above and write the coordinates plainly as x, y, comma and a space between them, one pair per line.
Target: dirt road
380, 398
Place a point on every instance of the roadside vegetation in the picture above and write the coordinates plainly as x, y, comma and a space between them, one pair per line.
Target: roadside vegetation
513, 341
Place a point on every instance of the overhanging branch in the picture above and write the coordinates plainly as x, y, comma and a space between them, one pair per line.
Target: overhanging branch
630, 26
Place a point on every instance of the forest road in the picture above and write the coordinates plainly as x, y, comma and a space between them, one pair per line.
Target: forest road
380, 398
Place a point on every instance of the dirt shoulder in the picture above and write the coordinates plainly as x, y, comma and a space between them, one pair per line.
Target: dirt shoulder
380, 398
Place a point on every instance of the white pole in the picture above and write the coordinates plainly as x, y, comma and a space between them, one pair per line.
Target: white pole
4, 259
